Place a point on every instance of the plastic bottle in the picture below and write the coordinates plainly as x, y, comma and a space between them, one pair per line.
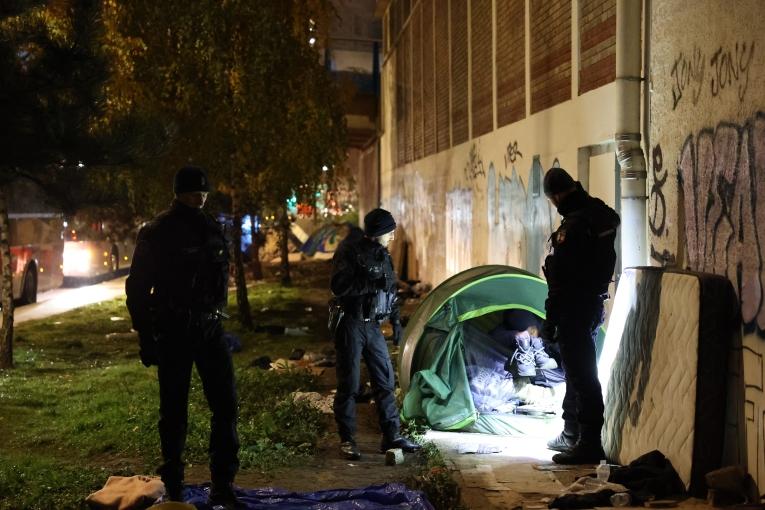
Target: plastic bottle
621, 499
603, 471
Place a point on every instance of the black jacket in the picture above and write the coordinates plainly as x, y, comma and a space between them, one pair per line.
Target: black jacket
363, 280
582, 260
180, 267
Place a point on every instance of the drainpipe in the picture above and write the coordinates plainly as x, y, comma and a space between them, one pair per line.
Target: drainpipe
629, 152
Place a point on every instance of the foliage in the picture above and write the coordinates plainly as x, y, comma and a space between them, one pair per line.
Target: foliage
437, 481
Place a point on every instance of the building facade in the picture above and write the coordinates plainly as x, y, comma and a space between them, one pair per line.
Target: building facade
480, 97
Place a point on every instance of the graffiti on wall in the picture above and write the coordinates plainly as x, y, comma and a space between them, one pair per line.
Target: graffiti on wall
721, 174
657, 216
512, 153
520, 220
474, 166
728, 66
459, 230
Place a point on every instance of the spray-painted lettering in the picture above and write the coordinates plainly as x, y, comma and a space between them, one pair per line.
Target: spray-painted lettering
731, 67
687, 71
721, 172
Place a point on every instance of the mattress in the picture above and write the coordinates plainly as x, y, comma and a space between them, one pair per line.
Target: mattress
668, 341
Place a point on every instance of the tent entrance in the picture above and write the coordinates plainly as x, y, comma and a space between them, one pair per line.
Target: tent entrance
514, 380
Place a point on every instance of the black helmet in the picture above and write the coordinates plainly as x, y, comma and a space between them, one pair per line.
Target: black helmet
190, 179
557, 180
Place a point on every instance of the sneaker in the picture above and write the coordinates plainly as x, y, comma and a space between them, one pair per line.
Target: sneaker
523, 357
562, 443
222, 494
405, 444
541, 358
581, 453
349, 450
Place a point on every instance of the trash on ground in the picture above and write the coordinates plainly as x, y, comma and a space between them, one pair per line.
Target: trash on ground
297, 354
119, 336
316, 400
394, 457
115, 319
301, 331
479, 448
127, 492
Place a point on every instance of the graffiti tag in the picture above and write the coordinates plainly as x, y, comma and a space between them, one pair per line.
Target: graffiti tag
474, 166
720, 171
512, 153
730, 67
687, 71
658, 217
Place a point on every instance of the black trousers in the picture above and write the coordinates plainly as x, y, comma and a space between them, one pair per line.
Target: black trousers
583, 403
200, 344
355, 339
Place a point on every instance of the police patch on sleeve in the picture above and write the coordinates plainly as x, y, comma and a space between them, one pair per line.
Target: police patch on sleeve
560, 236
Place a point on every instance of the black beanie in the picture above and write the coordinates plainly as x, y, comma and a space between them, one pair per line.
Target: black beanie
190, 179
378, 222
557, 180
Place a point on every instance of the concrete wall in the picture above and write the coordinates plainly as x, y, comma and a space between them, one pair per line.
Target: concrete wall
707, 164
481, 202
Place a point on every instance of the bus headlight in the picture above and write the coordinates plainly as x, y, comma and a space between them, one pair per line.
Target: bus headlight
77, 259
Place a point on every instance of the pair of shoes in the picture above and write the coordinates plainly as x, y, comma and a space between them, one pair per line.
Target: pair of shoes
222, 494
402, 442
562, 443
349, 450
530, 355
581, 453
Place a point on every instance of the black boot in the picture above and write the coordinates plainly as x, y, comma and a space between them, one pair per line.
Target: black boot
583, 452
405, 444
349, 450
173, 492
562, 443
222, 494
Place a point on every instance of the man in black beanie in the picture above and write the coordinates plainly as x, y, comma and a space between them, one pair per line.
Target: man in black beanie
578, 272
176, 293
364, 286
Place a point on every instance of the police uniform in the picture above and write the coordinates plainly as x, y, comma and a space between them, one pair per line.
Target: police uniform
579, 270
177, 287
364, 286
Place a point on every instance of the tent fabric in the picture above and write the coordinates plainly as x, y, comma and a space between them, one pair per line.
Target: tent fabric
451, 370
375, 497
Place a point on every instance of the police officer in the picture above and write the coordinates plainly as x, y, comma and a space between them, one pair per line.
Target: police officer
364, 286
177, 287
578, 272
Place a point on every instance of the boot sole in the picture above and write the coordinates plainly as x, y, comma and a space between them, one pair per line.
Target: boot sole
559, 448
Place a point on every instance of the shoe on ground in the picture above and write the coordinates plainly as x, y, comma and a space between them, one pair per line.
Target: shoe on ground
222, 494
407, 445
541, 358
581, 453
523, 357
561, 443
349, 450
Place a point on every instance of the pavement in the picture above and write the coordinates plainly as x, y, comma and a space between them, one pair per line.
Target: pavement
62, 300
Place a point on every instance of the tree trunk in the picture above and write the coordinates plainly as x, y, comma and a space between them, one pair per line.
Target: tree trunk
257, 244
243, 304
6, 329
284, 239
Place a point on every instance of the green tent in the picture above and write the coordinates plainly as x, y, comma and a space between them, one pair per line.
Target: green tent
432, 365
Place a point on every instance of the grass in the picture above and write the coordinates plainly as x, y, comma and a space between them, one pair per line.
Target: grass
79, 406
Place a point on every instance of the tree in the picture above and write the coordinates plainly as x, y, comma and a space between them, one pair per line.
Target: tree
237, 81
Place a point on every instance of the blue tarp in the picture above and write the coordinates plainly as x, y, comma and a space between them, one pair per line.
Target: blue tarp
375, 497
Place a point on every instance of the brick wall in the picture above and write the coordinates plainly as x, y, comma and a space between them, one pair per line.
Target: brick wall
511, 61
442, 74
459, 58
597, 43
550, 53
481, 67
415, 29
400, 105
406, 46
428, 83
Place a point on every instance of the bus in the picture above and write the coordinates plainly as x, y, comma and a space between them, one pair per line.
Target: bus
94, 248
37, 253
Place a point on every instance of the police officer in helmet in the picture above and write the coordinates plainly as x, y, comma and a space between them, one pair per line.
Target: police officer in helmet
176, 291
364, 286
578, 272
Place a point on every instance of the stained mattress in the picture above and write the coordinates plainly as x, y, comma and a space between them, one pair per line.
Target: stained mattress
668, 340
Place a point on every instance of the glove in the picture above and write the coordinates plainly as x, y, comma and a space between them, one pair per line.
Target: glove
549, 332
398, 332
148, 350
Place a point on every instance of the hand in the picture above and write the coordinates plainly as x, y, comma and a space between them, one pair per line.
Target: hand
398, 332
148, 348
549, 332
